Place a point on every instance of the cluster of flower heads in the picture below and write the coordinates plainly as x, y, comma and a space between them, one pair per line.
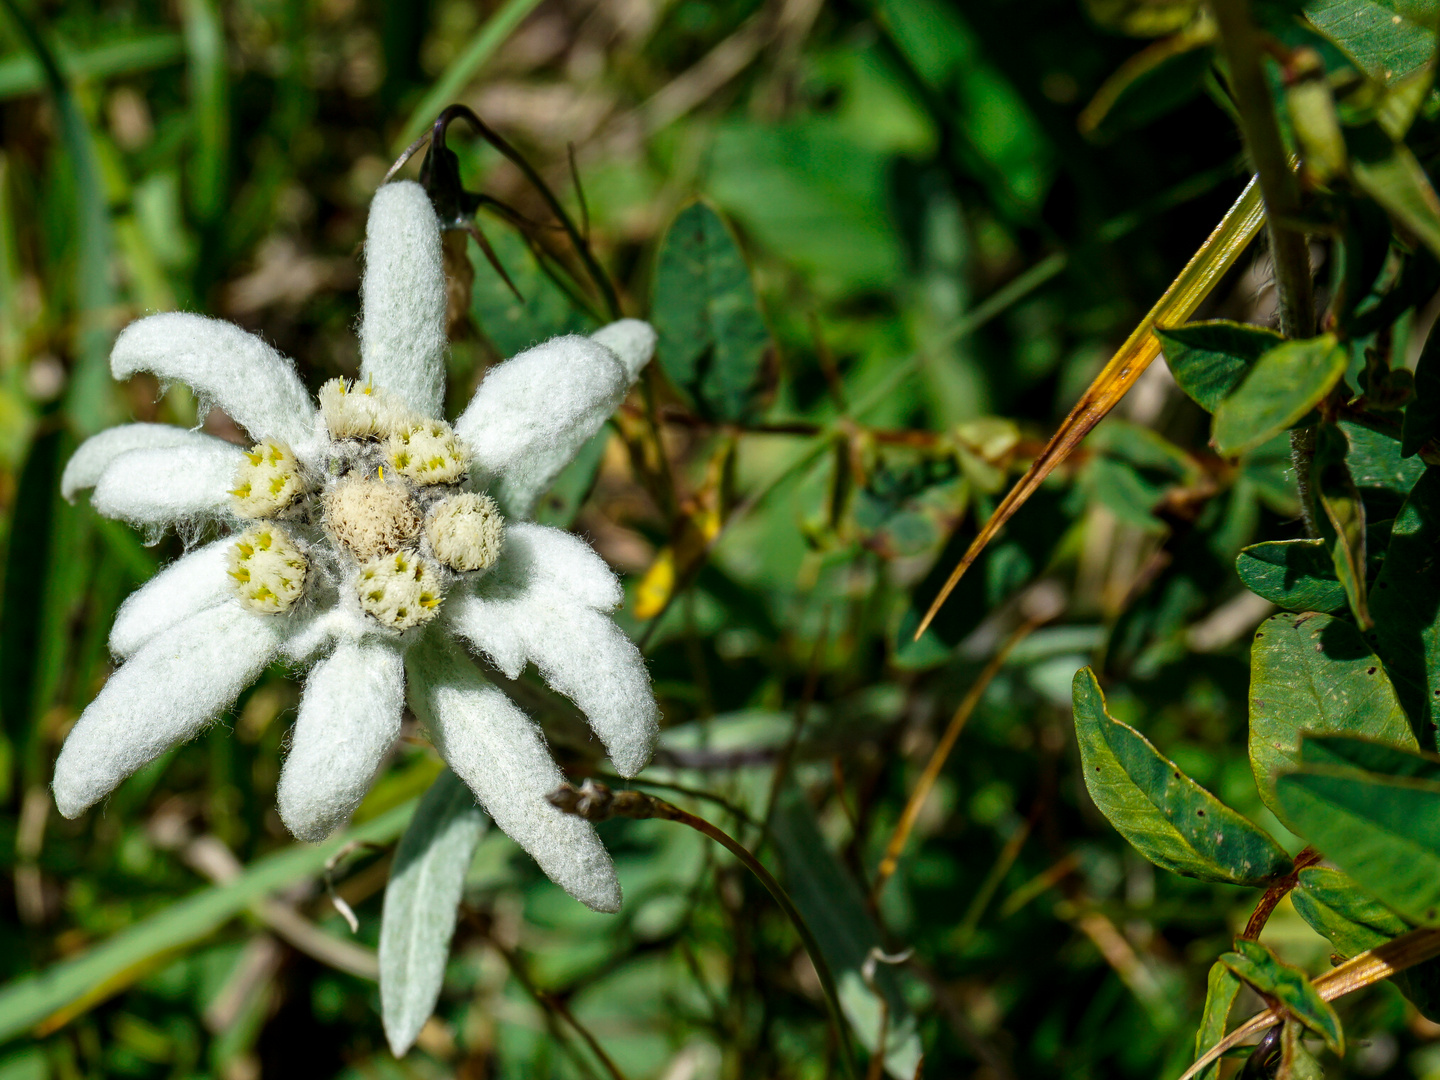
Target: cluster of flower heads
386, 492
371, 541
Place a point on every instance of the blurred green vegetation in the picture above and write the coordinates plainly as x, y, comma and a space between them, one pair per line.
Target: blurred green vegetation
943, 261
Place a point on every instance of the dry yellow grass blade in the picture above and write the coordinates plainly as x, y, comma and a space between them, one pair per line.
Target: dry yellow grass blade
1355, 974
1219, 252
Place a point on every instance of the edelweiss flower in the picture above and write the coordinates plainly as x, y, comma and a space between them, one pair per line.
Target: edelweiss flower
367, 537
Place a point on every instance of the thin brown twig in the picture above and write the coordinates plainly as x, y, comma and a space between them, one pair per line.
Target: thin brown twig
941, 754
1276, 892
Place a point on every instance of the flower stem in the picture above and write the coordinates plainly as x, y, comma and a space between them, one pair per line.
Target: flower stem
596, 802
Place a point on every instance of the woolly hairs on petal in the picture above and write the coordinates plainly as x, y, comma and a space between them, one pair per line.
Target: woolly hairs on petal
402, 327
256, 386
169, 690
544, 604
168, 487
349, 717
186, 587
88, 463
532, 414
500, 753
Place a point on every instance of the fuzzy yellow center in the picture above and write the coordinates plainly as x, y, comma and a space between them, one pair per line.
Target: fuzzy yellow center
399, 590
267, 569
267, 481
466, 531
372, 517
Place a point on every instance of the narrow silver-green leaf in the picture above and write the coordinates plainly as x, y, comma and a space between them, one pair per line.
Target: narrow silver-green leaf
1314, 674
421, 900
1166, 816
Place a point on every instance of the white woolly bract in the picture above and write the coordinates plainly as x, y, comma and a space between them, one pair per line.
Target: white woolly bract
632, 340
532, 415
170, 689
168, 487
190, 584
500, 753
349, 717
533, 607
402, 327
225, 366
97, 452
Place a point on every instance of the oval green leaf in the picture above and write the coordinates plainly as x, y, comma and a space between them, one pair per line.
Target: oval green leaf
1297, 575
1166, 816
1262, 969
1314, 673
1210, 359
1285, 384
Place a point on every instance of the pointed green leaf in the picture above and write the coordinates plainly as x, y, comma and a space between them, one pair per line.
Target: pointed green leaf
1422, 415
1383, 831
1343, 524
1262, 969
1293, 574
1285, 384
1354, 922
1221, 990
421, 900
1159, 78
1313, 673
1385, 44
1296, 1062
1390, 174
1405, 602
1166, 816
1389, 758
713, 339
1210, 359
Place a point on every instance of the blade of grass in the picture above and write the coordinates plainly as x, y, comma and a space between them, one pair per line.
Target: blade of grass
88, 402
49, 999
209, 108
462, 69
20, 75
1219, 252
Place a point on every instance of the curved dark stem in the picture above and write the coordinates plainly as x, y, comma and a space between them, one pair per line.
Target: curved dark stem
597, 275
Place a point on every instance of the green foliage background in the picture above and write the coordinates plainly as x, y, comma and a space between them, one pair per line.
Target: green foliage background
923, 228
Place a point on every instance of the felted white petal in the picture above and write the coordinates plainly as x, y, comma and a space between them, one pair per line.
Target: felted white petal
349, 717
532, 415
632, 340
225, 366
170, 689
97, 452
402, 328
166, 487
539, 604
501, 754
190, 584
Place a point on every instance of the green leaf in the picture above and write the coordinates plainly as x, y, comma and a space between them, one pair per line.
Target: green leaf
1314, 674
421, 900
512, 325
1166, 816
1390, 174
1368, 755
1383, 43
1422, 415
713, 340
1343, 524
1354, 922
1293, 574
1384, 831
1405, 602
1296, 1062
1285, 384
1262, 969
82, 981
1222, 988
1132, 470
834, 908
1210, 359
1383, 475
1161, 77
